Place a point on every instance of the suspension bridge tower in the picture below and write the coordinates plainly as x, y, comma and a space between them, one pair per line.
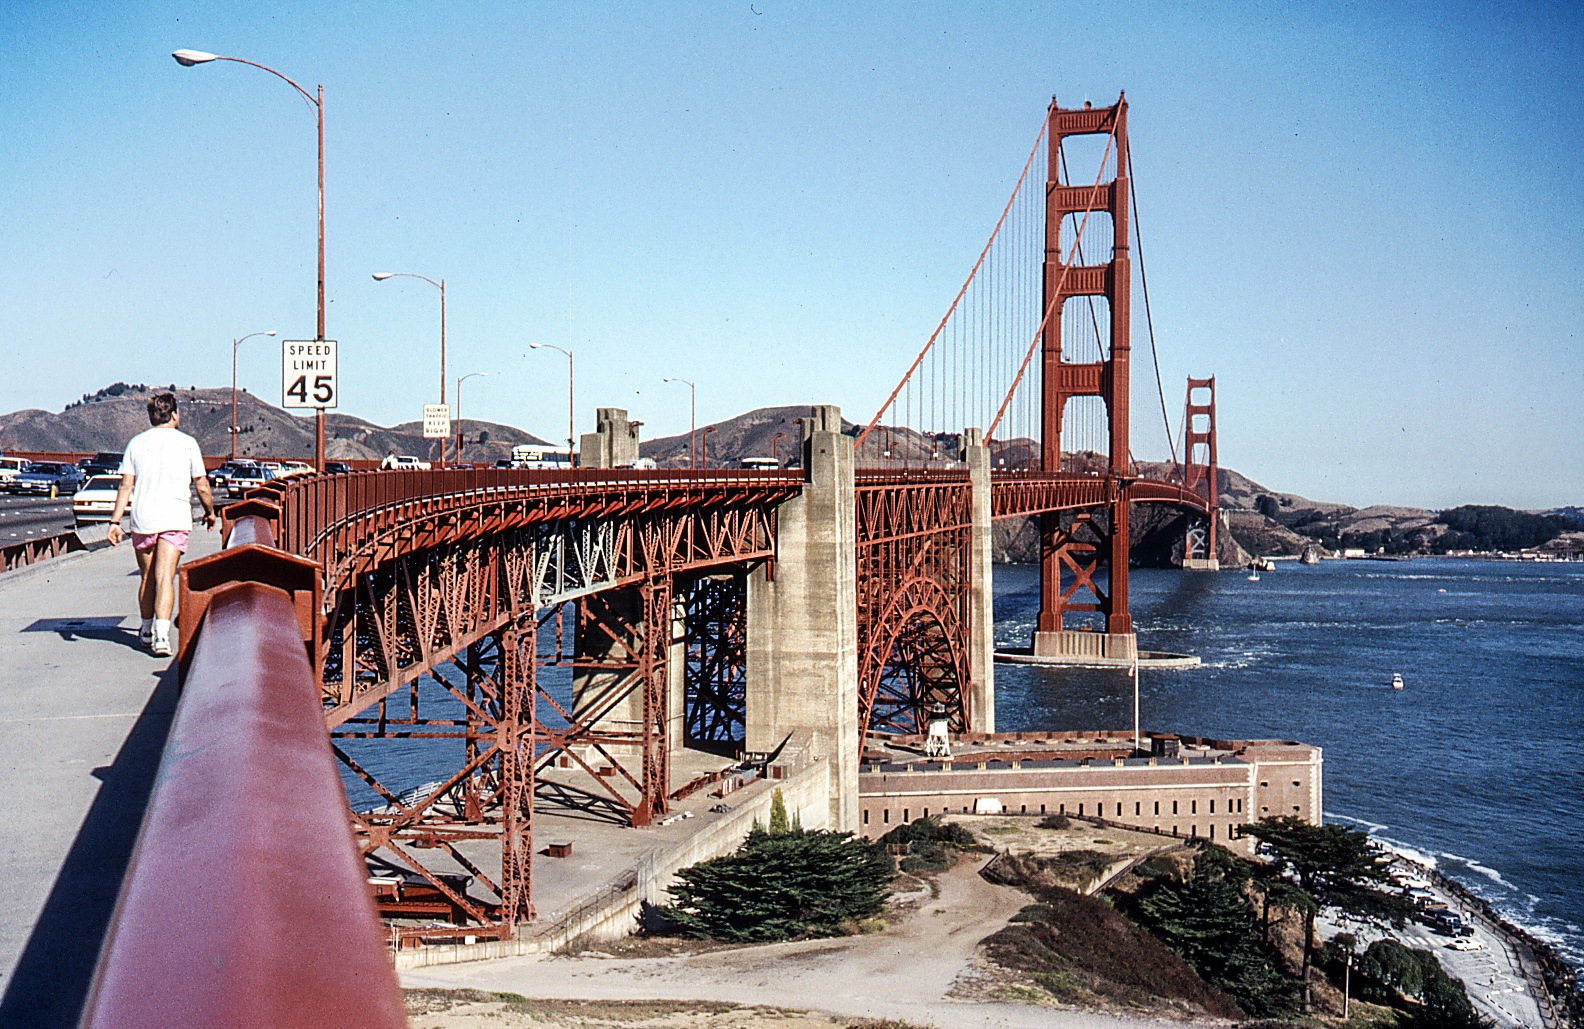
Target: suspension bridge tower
1074, 549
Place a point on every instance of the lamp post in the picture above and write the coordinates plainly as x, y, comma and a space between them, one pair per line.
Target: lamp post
460, 381
189, 58
704, 445
773, 455
571, 440
692, 415
234, 344
381, 277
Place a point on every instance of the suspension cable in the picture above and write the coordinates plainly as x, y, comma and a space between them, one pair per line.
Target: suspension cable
1148, 321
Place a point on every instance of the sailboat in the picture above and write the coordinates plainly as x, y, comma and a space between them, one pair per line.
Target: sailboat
1397, 683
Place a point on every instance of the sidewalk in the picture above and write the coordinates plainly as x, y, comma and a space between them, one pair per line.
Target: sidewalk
84, 720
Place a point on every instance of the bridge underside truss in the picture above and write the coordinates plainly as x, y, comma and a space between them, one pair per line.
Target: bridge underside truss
533, 666
913, 580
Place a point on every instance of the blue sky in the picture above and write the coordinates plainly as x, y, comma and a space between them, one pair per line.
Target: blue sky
1364, 219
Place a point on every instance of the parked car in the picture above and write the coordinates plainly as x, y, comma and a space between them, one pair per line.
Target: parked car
10, 468
243, 477
1465, 943
47, 477
96, 499
405, 463
337, 468
103, 463
220, 475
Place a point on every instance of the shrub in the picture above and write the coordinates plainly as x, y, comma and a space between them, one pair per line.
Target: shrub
802, 883
928, 830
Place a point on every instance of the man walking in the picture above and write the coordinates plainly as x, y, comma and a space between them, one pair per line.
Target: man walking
159, 470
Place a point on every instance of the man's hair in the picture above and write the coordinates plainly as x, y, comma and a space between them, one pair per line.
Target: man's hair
161, 408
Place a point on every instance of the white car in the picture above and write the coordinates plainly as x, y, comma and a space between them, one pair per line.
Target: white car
405, 463
1465, 943
96, 500
11, 467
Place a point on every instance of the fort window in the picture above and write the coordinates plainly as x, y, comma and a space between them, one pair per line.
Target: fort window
1212, 807
1022, 809
1157, 807
1193, 807
885, 816
1174, 808
1138, 808
1297, 783
926, 812
866, 816
905, 817
1080, 810
1119, 809
1212, 830
1264, 785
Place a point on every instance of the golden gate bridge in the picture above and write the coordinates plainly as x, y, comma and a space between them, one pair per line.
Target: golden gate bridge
561, 637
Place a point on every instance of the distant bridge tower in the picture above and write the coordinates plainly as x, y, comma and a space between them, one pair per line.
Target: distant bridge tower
1072, 550
1201, 476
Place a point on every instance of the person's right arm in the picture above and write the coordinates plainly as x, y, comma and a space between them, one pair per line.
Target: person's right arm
123, 498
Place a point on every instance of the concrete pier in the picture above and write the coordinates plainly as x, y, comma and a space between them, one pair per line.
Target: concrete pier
802, 650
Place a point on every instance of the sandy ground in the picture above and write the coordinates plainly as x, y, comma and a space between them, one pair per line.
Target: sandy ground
921, 971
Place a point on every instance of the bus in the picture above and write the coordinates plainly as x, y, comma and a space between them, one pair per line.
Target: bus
761, 464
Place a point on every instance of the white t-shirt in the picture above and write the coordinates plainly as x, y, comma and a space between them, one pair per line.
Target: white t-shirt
164, 461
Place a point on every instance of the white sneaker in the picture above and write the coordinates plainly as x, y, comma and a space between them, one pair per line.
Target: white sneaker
160, 647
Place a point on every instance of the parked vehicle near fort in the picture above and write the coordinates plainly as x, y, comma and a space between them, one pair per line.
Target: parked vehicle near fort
11, 467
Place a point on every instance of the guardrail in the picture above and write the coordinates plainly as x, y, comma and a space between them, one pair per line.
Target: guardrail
42, 548
245, 902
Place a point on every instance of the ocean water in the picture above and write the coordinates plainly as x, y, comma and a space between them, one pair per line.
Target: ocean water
1475, 765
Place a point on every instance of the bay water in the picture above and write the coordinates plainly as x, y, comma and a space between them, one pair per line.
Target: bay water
1474, 765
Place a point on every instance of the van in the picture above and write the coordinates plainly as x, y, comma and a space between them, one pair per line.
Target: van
10, 467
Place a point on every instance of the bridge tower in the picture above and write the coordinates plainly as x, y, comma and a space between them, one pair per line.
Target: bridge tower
1201, 476
1073, 549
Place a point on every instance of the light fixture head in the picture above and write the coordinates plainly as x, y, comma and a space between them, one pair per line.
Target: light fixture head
188, 58
382, 276
270, 333
535, 346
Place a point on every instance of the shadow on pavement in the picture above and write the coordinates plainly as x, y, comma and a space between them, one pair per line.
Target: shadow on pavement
52, 975
104, 629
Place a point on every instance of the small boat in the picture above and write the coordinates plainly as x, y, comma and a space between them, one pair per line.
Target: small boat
1397, 681
1254, 575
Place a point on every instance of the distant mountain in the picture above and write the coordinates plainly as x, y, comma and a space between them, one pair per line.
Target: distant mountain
1264, 521
107, 419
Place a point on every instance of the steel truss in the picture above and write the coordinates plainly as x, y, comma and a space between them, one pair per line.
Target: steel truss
715, 641
913, 593
442, 647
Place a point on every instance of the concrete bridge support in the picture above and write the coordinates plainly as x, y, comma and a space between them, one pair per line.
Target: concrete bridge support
613, 444
981, 593
802, 650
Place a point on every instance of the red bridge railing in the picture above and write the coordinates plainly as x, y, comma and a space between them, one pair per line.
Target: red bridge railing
245, 902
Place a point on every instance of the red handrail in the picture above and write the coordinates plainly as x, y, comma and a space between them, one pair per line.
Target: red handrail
245, 903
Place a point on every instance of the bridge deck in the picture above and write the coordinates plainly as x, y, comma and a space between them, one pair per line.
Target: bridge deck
87, 710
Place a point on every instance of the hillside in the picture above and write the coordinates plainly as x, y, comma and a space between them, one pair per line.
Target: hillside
107, 419
1262, 521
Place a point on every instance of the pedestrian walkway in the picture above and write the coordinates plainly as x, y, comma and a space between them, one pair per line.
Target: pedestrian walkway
85, 713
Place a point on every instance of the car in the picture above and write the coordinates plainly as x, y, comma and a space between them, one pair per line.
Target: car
1465, 943
337, 468
220, 475
245, 476
50, 478
96, 499
405, 463
106, 462
11, 467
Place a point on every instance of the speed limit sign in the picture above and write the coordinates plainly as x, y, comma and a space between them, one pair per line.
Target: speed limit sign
308, 373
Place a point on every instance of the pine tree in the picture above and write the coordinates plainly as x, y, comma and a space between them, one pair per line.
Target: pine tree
782, 885
779, 826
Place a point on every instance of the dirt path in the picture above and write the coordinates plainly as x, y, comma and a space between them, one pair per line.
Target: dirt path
906, 973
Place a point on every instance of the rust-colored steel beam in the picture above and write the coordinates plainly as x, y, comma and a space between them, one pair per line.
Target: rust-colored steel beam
246, 903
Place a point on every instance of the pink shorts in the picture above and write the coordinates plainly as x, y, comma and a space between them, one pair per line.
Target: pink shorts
146, 540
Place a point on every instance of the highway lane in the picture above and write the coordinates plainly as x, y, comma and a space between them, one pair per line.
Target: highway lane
24, 518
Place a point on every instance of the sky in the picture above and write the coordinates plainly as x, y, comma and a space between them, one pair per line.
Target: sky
1364, 219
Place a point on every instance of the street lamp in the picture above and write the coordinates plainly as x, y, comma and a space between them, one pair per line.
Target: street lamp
692, 415
571, 441
773, 456
234, 344
460, 381
188, 58
381, 277
704, 445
